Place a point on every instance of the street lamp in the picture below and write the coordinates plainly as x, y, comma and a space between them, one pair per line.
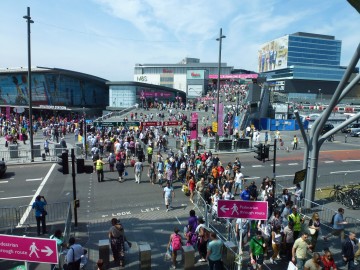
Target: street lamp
320, 94
29, 21
218, 89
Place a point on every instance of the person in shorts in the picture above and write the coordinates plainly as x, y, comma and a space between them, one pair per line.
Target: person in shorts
168, 195
257, 248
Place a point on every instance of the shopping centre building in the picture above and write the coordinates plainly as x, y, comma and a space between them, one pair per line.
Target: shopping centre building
303, 65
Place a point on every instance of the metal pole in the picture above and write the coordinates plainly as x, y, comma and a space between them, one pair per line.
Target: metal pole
84, 132
240, 244
74, 184
218, 90
29, 21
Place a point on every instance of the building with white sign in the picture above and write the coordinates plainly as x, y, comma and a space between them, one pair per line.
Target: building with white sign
177, 75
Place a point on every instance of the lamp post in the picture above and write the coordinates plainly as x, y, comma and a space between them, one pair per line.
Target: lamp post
29, 21
218, 89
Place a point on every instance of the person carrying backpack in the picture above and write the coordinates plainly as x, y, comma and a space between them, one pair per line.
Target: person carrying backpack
174, 245
337, 223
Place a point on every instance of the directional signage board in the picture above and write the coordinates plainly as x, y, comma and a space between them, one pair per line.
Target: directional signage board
172, 123
151, 124
117, 124
29, 249
256, 210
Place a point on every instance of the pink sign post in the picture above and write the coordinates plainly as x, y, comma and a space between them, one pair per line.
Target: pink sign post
193, 127
28, 249
242, 209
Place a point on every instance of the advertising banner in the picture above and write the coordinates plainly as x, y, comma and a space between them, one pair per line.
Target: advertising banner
157, 94
273, 55
234, 76
194, 126
195, 74
255, 210
194, 91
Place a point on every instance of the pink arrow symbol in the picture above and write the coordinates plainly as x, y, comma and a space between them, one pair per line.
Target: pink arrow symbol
47, 250
224, 209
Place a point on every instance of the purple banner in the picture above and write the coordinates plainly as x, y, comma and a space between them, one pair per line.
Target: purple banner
155, 94
221, 120
7, 112
234, 76
194, 126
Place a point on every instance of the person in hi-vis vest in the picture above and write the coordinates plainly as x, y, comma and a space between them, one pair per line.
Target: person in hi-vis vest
99, 167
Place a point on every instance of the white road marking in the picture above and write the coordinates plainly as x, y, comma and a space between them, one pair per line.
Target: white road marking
35, 179
18, 197
257, 166
344, 172
28, 210
292, 164
285, 175
67, 194
351, 160
250, 178
276, 165
329, 161
4, 182
178, 220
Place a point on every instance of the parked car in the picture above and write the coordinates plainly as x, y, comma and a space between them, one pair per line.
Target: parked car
349, 127
327, 127
3, 168
355, 132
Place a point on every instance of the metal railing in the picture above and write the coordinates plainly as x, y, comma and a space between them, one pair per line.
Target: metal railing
116, 113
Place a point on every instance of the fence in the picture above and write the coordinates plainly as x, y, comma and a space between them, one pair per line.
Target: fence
11, 217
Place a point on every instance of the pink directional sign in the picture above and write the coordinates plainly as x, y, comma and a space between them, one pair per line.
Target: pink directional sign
242, 209
18, 248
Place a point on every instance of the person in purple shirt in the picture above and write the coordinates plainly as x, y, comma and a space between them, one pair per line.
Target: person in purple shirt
192, 221
245, 195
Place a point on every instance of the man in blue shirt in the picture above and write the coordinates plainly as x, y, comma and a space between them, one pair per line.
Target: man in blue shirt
245, 194
338, 226
40, 213
214, 251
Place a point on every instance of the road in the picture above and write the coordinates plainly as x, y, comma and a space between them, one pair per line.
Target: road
140, 206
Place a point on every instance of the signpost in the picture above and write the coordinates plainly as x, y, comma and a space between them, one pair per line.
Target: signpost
172, 123
151, 124
117, 124
28, 249
253, 210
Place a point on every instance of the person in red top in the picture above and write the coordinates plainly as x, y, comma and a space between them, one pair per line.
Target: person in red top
220, 169
328, 261
191, 188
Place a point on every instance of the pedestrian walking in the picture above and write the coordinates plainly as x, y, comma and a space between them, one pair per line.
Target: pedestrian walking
150, 153
257, 248
112, 161
168, 195
295, 142
299, 250
58, 236
138, 169
120, 167
99, 167
314, 228
314, 263
174, 245
40, 213
152, 173
348, 251
117, 240
338, 225
73, 255
214, 252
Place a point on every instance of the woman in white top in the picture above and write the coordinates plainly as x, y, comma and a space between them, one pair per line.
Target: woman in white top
275, 243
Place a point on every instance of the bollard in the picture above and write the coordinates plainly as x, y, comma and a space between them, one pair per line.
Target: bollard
43, 157
104, 251
229, 255
188, 257
145, 256
345, 138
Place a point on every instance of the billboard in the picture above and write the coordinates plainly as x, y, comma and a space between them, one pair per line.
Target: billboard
273, 55
195, 74
194, 91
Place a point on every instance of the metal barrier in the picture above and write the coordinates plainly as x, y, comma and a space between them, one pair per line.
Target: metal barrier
8, 218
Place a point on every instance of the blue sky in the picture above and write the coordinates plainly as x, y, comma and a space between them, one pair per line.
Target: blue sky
106, 38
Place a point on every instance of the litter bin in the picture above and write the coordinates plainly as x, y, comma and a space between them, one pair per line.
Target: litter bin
43, 157
14, 151
80, 165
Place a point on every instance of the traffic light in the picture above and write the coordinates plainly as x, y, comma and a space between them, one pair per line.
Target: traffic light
266, 151
259, 151
63, 160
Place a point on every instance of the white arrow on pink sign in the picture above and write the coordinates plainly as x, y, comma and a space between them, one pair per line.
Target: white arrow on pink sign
29, 249
256, 210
